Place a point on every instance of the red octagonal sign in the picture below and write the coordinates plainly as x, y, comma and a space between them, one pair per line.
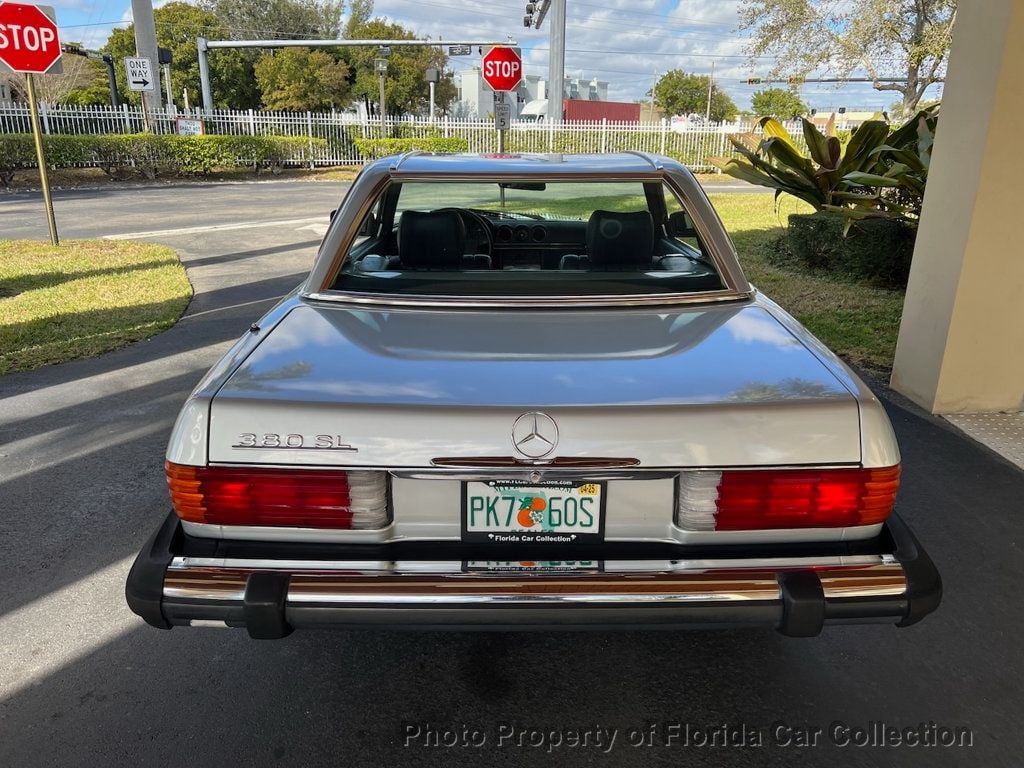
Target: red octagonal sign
28, 38
503, 68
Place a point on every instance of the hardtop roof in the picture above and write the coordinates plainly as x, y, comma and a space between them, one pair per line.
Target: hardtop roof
519, 164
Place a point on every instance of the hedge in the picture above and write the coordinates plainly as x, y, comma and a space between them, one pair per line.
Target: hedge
876, 250
153, 155
374, 148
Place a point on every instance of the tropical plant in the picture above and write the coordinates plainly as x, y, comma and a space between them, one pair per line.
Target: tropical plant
773, 159
894, 189
877, 174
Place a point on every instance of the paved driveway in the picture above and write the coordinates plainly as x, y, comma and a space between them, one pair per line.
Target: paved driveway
84, 683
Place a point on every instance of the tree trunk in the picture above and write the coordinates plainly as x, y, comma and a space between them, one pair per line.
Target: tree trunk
913, 91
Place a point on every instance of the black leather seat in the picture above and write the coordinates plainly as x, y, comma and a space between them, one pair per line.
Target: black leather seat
431, 240
436, 240
620, 240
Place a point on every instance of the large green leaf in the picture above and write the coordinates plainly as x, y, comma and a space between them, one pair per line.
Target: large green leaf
818, 144
774, 129
866, 138
910, 159
870, 180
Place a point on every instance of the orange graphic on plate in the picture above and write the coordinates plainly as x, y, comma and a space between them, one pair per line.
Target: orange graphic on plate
530, 511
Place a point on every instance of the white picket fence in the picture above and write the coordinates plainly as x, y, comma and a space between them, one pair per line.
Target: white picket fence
339, 130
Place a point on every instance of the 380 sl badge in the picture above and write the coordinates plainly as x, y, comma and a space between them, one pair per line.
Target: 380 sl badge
293, 442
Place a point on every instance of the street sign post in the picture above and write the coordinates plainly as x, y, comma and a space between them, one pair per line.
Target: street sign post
29, 43
380, 66
502, 71
139, 72
502, 68
502, 114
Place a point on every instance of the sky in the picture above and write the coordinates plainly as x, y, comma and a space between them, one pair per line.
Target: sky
628, 43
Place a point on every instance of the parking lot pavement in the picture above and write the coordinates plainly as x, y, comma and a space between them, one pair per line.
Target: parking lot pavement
84, 683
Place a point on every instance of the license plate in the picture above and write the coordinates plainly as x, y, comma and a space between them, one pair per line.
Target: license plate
531, 566
514, 512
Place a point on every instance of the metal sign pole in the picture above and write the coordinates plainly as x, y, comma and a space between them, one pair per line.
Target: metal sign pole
41, 158
383, 111
500, 107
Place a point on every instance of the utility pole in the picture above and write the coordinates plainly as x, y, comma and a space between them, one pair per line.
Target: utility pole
556, 60
205, 91
556, 50
711, 85
145, 46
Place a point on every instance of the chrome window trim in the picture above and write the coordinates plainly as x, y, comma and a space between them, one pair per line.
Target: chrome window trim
376, 176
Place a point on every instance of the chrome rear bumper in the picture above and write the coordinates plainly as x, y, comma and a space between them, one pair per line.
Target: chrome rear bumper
798, 595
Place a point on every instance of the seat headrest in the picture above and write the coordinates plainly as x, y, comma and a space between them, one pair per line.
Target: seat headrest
431, 240
620, 239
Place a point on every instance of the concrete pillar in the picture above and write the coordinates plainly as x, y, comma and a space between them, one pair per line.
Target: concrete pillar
961, 340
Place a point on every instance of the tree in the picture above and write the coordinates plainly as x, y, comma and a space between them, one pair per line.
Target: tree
908, 38
80, 76
177, 26
783, 103
277, 19
302, 79
682, 93
405, 90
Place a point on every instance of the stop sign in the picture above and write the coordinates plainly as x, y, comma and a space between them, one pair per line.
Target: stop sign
28, 38
503, 68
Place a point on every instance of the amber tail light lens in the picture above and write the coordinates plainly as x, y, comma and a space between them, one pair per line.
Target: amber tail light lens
295, 498
741, 500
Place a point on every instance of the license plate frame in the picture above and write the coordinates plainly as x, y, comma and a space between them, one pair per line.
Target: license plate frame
544, 532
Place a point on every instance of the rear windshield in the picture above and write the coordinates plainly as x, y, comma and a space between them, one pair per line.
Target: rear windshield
578, 238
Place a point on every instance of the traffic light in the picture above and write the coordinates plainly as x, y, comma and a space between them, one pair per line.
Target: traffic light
527, 21
753, 81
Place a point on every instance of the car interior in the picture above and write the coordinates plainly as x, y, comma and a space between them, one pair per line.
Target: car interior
483, 239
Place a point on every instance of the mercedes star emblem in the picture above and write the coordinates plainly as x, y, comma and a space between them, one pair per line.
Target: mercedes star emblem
535, 435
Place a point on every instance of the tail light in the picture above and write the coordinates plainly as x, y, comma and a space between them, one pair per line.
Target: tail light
294, 498
741, 500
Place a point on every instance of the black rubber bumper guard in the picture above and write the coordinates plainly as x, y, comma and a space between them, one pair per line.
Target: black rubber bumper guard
804, 611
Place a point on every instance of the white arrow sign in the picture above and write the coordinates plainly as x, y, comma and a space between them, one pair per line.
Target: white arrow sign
139, 71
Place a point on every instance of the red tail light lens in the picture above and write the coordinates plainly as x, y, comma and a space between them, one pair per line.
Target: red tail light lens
295, 498
740, 500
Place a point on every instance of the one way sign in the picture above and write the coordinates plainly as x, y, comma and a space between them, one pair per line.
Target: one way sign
140, 73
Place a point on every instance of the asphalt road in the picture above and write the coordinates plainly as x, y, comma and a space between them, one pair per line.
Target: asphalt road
84, 683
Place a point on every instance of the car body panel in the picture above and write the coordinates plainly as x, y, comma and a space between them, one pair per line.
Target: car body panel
717, 386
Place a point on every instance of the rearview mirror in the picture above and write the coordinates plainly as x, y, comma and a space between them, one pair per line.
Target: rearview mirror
529, 186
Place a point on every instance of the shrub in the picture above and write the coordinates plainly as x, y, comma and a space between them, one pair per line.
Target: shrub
155, 154
875, 250
375, 148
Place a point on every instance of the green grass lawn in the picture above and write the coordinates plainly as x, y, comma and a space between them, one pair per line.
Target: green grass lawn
83, 298
857, 321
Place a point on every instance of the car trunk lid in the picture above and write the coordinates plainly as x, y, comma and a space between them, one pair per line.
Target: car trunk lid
723, 385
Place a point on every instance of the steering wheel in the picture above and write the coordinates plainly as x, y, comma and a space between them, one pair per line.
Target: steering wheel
481, 222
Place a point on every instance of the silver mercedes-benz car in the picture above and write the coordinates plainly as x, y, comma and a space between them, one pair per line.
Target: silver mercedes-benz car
522, 391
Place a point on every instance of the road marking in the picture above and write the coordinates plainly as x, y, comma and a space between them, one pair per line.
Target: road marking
214, 228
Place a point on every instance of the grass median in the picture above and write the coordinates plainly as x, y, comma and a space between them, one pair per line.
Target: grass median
857, 321
83, 298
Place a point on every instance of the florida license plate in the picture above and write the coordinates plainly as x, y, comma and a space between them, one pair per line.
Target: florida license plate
514, 512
